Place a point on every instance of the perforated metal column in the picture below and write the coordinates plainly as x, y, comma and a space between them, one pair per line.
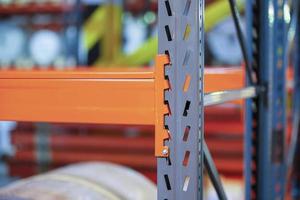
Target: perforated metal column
181, 37
278, 99
266, 129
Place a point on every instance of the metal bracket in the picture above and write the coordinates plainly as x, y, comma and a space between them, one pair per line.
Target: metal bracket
161, 108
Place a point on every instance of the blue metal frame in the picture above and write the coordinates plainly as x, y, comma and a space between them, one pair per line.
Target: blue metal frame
6, 149
248, 108
265, 145
296, 109
279, 94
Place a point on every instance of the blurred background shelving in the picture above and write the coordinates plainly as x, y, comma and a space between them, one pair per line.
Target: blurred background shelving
98, 33
39, 33
33, 8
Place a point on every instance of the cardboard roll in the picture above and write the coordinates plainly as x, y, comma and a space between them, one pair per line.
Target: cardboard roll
27, 169
95, 180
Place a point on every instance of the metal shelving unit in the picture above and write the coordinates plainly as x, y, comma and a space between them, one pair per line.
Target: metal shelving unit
172, 98
267, 125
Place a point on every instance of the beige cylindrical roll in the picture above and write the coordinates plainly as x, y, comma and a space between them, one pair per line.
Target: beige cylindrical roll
85, 181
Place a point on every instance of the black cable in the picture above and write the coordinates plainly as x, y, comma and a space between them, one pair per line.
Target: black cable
237, 22
213, 173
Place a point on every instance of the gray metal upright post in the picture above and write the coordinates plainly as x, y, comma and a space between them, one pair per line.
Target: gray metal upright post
181, 38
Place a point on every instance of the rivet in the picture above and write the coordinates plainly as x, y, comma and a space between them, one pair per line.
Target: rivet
165, 152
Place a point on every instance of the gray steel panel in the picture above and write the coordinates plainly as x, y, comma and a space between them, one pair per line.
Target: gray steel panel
180, 68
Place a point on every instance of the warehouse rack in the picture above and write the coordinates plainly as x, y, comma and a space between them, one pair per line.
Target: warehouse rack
172, 98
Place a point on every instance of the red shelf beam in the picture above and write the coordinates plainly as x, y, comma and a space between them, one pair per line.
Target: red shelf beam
33, 8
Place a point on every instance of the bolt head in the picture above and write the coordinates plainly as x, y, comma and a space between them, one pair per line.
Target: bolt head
165, 152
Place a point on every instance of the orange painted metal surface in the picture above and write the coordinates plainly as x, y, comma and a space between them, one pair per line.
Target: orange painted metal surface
218, 79
161, 109
91, 96
79, 73
106, 101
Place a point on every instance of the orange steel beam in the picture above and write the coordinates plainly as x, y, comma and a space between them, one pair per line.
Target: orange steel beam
92, 96
161, 108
